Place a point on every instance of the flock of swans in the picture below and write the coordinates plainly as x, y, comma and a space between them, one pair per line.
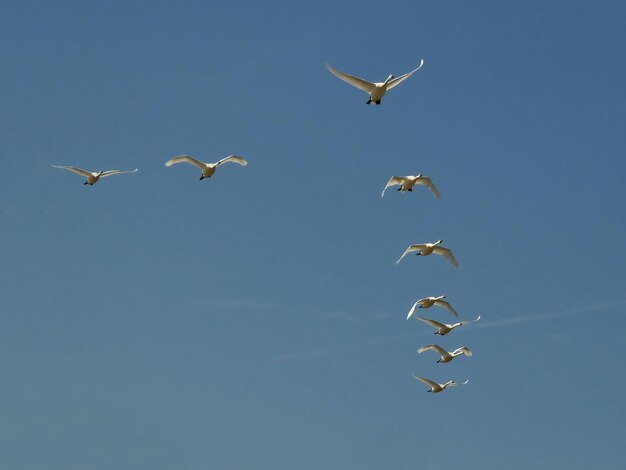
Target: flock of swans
424, 249
406, 183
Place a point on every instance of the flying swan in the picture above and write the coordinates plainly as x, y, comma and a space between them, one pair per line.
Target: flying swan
93, 176
435, 387
207, 168
445, 355
444, 328
375, 90
428, 302
407, 182
425, 249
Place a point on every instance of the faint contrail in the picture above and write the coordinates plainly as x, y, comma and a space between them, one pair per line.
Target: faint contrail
549, 315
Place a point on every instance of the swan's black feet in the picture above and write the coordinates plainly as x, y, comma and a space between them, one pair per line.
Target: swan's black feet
377, 102
411, 189
419, 253
368, 101
399, 189
202, 177
85, 183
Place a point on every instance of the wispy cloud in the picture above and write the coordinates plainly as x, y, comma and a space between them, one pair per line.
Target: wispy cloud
314, 353
599, 307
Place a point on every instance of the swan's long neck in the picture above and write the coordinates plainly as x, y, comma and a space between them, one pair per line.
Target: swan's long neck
389, 78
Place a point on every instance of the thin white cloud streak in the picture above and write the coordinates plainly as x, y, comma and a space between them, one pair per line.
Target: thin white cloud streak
550, 315
325, 351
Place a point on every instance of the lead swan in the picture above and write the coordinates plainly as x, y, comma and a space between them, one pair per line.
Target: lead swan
407, 182
93, 176
435, 387
207, 168
425, 249
375, 90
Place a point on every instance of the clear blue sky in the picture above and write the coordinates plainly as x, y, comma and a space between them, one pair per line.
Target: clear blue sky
257, 320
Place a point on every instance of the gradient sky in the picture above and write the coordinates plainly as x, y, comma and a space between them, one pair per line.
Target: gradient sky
257, 319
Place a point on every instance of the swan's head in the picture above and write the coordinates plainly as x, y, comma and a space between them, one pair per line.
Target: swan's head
100, 172
389, 78
438, 242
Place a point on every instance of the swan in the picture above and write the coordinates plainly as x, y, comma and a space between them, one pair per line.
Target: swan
425, 249
375, 90
207, 168
93, 176
444, 328
445, 355
435, 387
428, 302
407, 182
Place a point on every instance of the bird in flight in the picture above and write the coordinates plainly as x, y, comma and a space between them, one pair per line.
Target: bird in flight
406, 183
444, 328
207, 168
445, 355
435, 387
428, 302
375, 90
425, 249
93, 176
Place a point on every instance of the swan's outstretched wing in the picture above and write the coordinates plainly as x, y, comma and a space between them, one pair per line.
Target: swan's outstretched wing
454, 384
447, 306
392, 182
426, 181
433, 323
411, 249
430, 383
471, 321
447, 252
396, 81
463, 350
116, 172
439, 350
232, 158
352, 80
412, 311
186, 159
73, 169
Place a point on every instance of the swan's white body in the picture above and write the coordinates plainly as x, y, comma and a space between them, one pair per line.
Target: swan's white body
406, 183
375, 90
207, 168
444, 328
445, 355
435, 387
428, 302
425, 249
93, 176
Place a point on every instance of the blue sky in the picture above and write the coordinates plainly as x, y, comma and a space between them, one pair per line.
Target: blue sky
257, 319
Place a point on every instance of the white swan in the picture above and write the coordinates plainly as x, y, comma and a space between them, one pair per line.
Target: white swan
435, 387
407, 182
375, 90
207, 168
445, 355
428, 302
444, 328
93, 176
425, 249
